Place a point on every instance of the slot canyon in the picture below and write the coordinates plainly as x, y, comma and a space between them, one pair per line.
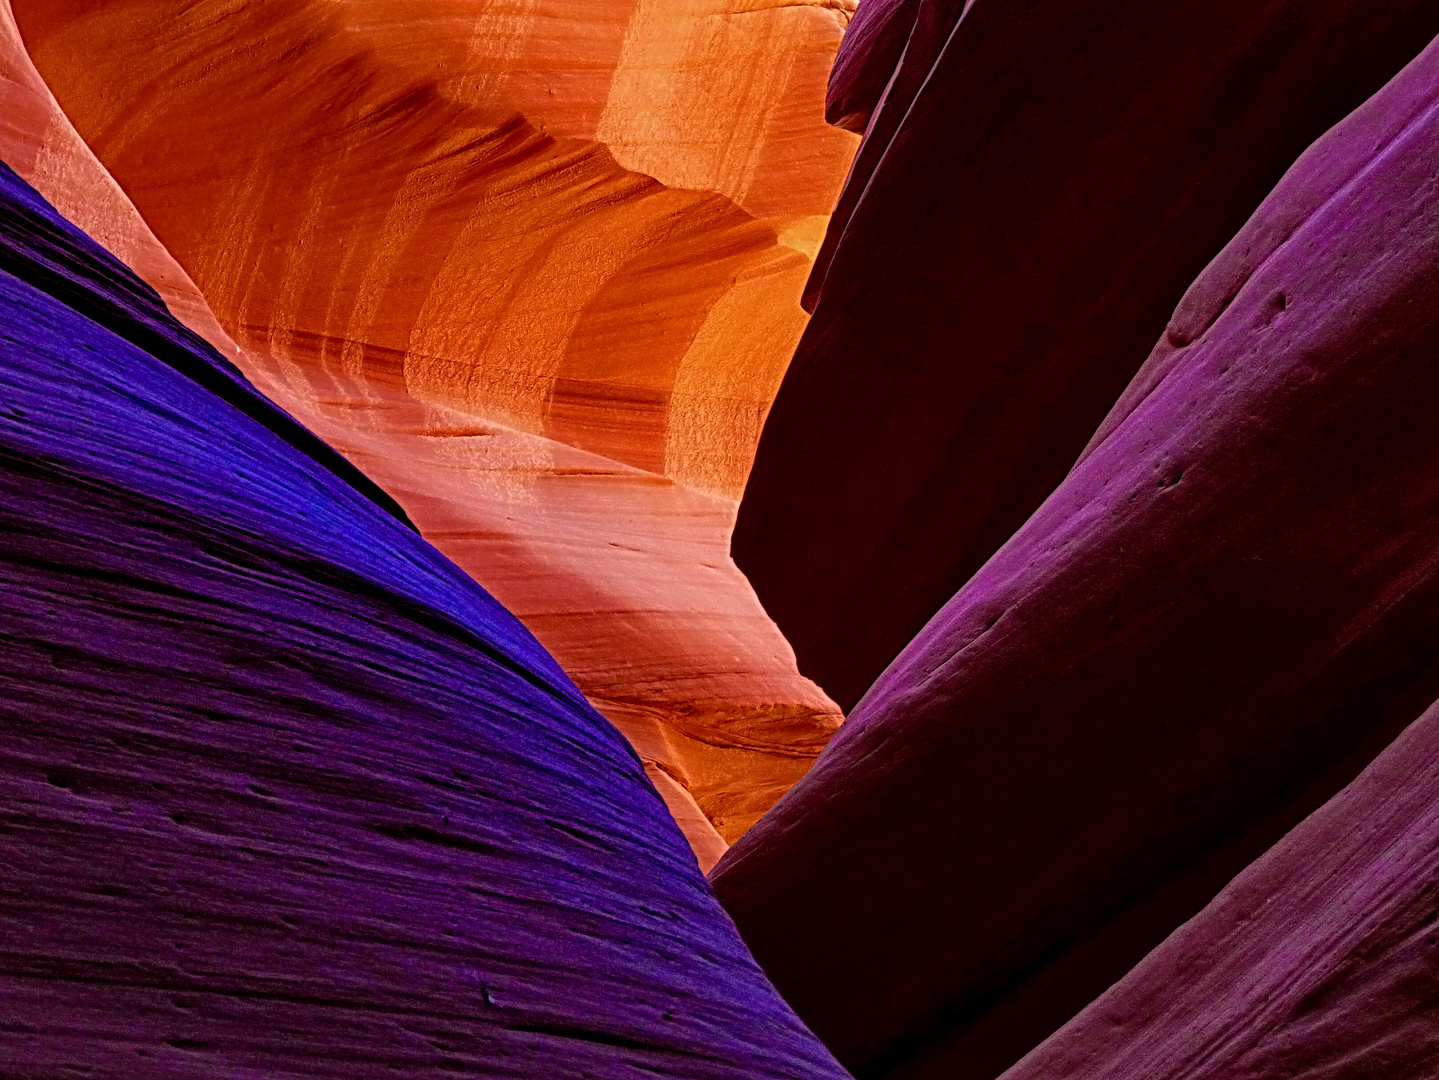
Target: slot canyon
699, 539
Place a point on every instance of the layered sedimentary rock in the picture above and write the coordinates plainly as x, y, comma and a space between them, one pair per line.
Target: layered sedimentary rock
513, 213
286, 793
493, 258
1037, 188
623, 573
38, 142
1318, 960
1217, 619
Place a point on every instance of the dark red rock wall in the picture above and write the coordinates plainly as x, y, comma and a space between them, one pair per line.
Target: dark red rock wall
867, 57
1320, 960
284, 793
1217, 619
1038, 188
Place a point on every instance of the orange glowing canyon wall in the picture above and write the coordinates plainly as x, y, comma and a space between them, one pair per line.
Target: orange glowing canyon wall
533, 265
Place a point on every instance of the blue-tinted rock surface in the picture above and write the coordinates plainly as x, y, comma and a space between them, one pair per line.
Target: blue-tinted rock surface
283, 793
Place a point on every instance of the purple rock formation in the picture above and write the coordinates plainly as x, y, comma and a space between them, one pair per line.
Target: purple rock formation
285, 793
1038, 187
48, 253
1320, 960
867, 57
1218, 618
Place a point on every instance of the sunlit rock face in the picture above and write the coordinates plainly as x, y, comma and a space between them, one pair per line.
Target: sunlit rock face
1038, 186
536, 267
621, 573
507, 207
286, 793
1218, 618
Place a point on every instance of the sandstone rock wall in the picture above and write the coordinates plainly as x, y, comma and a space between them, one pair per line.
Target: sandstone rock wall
867, 59
1225, 611
1318, 960
492, 256
470, 203
1040, 184
286, 794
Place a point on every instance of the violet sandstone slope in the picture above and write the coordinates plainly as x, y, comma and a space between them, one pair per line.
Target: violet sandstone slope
1037, 188
1320, 959
1220, 616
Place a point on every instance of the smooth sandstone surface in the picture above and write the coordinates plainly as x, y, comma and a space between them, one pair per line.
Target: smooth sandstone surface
424, 226
867, 58
464, 200
1321, 959
286, 793
1037, 188
1219, 618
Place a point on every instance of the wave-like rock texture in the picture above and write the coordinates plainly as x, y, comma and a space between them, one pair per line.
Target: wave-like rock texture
622, 574
1218, 618
286, 793
515, 214
1038, 187
492, 258
1320, 960
37, 138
